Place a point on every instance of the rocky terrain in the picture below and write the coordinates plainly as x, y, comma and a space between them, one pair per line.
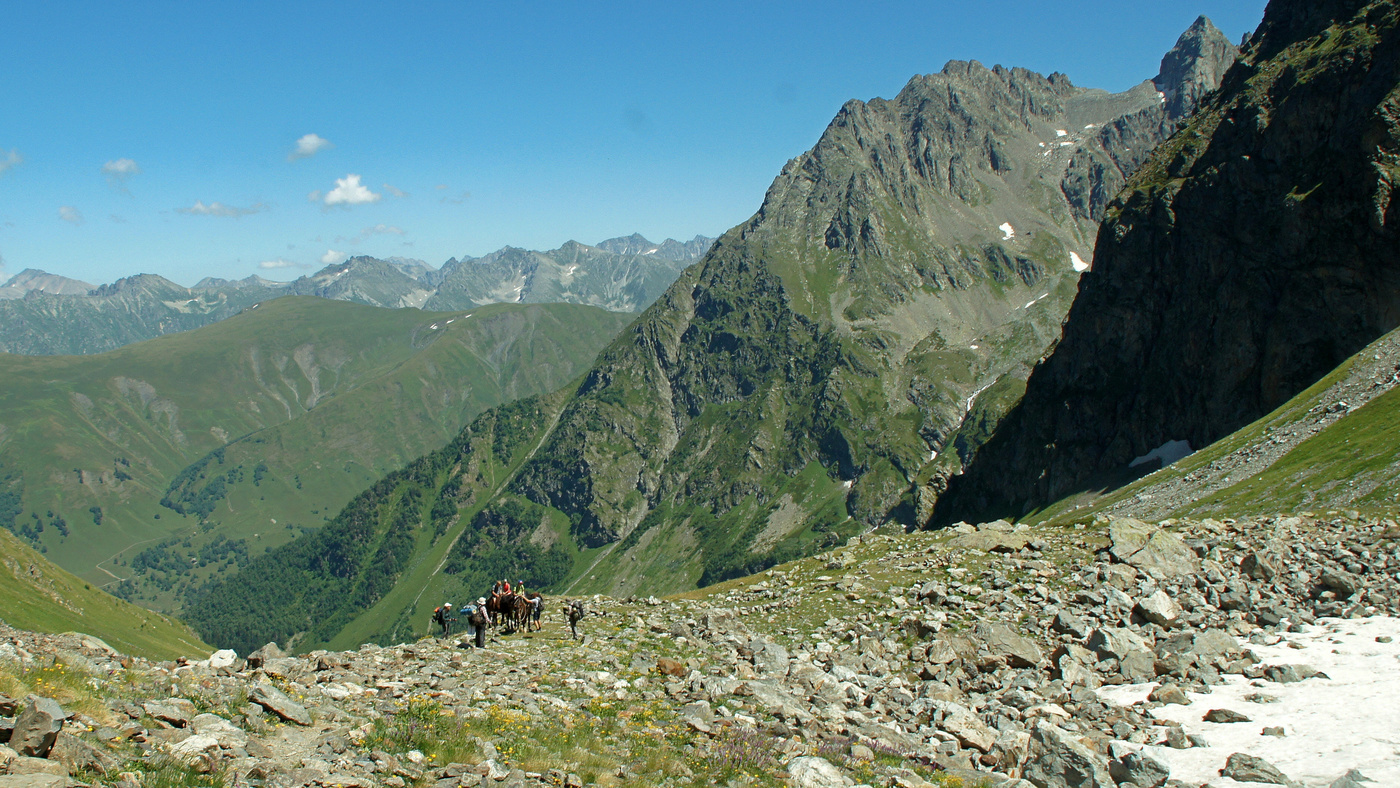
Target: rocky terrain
1110, 653
1248, 258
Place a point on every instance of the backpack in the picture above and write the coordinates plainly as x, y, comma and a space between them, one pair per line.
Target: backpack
437, 614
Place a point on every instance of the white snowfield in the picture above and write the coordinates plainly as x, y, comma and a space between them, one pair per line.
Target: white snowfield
1349, 720
1007, 231
1078, 262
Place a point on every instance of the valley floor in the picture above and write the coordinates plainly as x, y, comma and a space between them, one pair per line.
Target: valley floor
989, 655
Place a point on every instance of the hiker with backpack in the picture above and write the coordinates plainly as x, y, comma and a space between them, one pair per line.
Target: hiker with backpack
443, 617
575, 613
478, 620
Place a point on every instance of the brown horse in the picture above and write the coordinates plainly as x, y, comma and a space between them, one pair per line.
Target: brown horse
509, 611
520, 609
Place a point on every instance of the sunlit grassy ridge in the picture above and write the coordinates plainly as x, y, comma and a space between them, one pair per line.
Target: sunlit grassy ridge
37, 595
206, 447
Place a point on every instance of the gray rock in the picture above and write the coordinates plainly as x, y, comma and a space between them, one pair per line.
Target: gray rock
37, 726
771, 659
275, 701
1060, 761
1344, 584
175, 711
1006, 647
260, 657
1224, 716
1070, 624
959, 721
1251, 769
1160, 609
992, 541
810, 771
1116, 642
1141, 769
1352, 779
1157, 552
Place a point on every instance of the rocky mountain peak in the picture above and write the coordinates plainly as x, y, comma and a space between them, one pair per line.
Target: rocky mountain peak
35, 279
1249, 257
1194, 67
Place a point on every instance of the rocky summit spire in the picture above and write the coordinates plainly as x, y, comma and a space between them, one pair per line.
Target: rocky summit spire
1194, 67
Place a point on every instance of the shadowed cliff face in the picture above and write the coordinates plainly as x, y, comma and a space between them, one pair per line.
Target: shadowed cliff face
1254, 252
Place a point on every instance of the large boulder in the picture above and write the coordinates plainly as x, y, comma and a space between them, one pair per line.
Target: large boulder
260, 657
176, 712
1116, 642
1061, 761
37, 726
959, 721
1159, 553
1140, 769
275, 701
1160, 609
1003, 646
810, 771
1248, 768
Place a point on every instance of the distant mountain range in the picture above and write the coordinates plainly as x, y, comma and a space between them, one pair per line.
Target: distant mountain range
45, 314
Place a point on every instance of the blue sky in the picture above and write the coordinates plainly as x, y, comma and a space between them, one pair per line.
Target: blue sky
164, 138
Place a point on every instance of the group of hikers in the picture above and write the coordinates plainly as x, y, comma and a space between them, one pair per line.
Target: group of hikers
510, 605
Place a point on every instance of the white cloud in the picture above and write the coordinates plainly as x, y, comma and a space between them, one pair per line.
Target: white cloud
217, 208
349, 191
267, 265
378, 229
70, 214
10, 160
399, 193
332, 257
309, 145
119, 171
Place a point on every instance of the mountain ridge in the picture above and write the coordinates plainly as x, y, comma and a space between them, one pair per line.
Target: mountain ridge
785, 393
1249, 257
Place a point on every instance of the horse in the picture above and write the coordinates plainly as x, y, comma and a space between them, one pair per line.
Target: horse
520, 609
509, 611
498, 606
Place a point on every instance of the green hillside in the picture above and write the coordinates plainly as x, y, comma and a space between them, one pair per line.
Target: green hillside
1336, 445
36, 595
172, 460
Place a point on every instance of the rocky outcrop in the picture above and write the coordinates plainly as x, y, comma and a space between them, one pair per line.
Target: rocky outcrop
1194, 67
903, 660
1252, 255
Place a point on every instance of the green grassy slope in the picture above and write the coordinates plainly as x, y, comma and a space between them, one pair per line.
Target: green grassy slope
254, 429
1350, 461
36, 595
